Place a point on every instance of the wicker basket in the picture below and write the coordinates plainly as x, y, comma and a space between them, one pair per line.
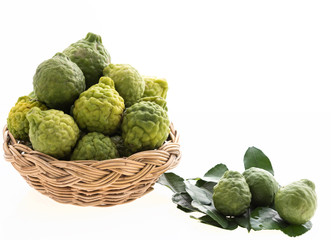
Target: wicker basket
90, 182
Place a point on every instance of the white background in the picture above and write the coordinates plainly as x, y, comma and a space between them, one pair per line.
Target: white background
241, 74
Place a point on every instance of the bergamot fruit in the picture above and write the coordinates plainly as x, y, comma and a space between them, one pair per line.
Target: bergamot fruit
90, 56
156, 99
94, 146
155, 87
145, 126
123, 151
263, 186
296, 203
231, 195
108, 81
17, 123
128, 82
32, 95
58, 82
52, 132
100, 108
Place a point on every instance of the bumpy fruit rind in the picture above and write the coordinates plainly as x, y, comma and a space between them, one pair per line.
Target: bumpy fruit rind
99, 108
94, 146
263, 186
296, 203
231, 195
58, 82
52, 132
107, 81
145, 126
17, 123
128, 82
91, 57
156, 99
155, 87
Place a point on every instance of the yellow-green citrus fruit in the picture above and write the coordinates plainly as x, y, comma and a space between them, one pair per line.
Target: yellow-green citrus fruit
58, 82
145, 126
17, 123
155, 87
99, 108
90, 56
231, 195
52, 132
94, 146
296, 203
263, 186
108, 81
156, 99
128, 82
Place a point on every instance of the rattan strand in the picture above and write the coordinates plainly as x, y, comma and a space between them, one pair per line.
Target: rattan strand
90, 182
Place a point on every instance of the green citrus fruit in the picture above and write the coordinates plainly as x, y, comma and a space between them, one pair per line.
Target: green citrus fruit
94, 146
263, 186
156, 99
90, 56
52, 132
155, 87
17, 123
58, 82
128, 82
99, 108
145, 126
296, 203
231, 195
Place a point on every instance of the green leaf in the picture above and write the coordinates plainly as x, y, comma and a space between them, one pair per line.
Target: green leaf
211, 178
183, 200
211, 212
214, 174
209, 186
232, 224
198, 198
200, 195
172, 181
202, 201
266, 218
208, 220
297, 230
244, 220
185, 209
254, 157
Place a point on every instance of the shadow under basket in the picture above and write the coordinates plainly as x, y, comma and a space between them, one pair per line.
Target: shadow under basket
91, 182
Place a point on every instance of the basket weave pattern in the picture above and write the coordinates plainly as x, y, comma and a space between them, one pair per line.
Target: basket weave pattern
90, 182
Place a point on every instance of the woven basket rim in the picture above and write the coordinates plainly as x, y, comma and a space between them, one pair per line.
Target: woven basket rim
92, 182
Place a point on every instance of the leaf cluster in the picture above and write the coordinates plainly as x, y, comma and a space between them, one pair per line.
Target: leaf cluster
194, 195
